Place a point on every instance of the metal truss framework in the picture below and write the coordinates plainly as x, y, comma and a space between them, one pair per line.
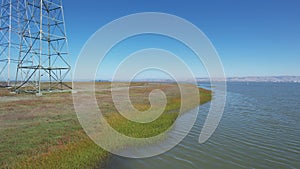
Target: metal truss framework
42, 45
11, 12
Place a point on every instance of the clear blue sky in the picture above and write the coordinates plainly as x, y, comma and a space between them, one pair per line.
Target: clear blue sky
255, 37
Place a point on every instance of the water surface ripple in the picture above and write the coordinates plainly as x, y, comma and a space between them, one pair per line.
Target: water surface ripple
260, 129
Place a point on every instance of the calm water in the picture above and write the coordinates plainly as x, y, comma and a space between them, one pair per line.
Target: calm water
260, 128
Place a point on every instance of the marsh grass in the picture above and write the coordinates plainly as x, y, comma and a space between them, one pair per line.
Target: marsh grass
43, 132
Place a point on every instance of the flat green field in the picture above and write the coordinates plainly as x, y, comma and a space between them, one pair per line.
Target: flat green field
44, 132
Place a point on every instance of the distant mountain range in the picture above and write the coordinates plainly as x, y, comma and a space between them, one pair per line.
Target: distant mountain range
295, 79
290, 79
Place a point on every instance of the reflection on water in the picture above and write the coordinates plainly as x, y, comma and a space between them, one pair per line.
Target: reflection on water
260, 128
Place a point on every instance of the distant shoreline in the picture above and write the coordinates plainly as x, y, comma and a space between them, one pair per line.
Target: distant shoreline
275, 79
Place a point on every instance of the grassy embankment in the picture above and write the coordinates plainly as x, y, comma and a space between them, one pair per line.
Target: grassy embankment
43, 132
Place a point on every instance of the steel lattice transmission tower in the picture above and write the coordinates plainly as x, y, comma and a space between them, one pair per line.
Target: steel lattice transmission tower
44, 57
12, 13
42, 45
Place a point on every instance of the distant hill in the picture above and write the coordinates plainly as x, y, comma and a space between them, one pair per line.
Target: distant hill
295, 79
291, 79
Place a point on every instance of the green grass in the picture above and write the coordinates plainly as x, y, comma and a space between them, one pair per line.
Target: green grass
43, 132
